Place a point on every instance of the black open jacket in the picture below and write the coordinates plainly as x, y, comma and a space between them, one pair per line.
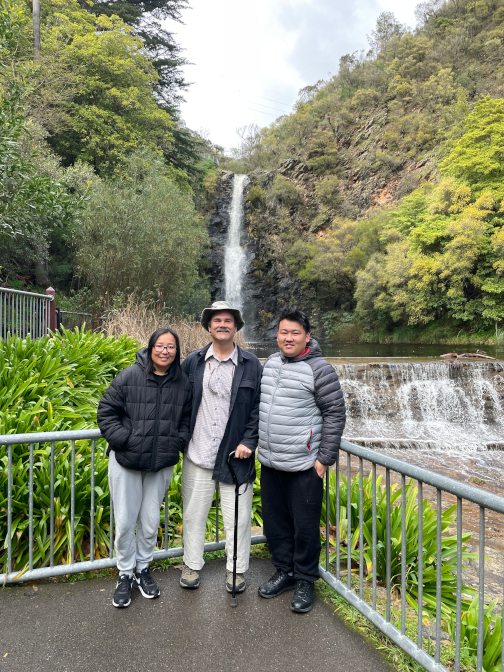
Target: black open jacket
146, 418
243, 422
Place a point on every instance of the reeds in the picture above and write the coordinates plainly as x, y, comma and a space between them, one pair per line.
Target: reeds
139, 321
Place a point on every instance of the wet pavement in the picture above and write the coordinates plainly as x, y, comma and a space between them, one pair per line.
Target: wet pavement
67, 627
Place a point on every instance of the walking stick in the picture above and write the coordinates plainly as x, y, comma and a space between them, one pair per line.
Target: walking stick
235, 538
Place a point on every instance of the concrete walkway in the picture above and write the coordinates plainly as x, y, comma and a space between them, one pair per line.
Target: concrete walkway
69, 627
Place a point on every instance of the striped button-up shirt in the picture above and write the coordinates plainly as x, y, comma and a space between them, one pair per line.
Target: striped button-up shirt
213, 412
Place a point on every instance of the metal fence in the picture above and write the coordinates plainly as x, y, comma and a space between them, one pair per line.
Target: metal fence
38, 517
24, 313
71, 319
43, 499
353, 588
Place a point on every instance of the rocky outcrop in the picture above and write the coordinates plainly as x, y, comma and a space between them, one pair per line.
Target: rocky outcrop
367, 176
218, 225
268, 286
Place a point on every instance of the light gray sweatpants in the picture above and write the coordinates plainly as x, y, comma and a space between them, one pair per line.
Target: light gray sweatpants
137, 497
198, 490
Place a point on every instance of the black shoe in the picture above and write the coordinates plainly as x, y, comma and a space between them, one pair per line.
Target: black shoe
122, 595
302, 602
146, 584
278, 584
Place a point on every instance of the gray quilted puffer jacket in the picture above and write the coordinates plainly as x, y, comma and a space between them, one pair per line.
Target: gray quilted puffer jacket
302, 411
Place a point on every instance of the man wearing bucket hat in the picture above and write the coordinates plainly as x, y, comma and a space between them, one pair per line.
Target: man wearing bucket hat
226, 384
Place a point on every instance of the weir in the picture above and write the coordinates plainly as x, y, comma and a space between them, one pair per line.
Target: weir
452, 407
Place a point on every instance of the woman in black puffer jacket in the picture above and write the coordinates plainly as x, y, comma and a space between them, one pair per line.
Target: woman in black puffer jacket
145, 416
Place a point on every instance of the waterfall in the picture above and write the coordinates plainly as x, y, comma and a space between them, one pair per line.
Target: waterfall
235, 260
424, 405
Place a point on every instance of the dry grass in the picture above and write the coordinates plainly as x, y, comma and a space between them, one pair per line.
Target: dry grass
140, 321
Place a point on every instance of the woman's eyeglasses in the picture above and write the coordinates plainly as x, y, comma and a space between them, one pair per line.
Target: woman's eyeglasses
161, 348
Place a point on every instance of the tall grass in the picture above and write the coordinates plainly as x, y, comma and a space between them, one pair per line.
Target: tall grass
139, 321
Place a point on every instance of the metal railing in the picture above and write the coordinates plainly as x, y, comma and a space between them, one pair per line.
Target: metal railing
57, 465
56, 514
354, 591
71, 319
24, 313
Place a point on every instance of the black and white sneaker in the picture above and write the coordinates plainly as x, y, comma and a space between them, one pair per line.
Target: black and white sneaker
122, 595
146, 584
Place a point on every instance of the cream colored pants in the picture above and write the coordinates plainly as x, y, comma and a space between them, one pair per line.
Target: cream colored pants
197, 493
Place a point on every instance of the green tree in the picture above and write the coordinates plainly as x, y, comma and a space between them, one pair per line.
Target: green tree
113, 109
32, 203
141, 235
478, 156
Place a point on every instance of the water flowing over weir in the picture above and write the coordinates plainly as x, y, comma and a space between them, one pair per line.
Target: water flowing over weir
235, 258
439, 406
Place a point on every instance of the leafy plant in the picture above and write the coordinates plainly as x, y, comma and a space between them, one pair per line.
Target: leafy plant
55, 384
430, 516
492, 634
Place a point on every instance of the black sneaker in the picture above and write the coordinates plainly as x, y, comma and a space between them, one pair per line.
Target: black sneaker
122, 595
302, 602
278, 584
146, 584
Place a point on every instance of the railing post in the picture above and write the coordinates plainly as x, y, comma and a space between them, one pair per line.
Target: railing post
52, 309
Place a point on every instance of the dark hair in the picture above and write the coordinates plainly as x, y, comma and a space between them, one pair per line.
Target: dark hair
294, 315
152, 342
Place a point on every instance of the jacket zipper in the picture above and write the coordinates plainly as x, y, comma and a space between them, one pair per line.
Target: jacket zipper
156, 429
271, 410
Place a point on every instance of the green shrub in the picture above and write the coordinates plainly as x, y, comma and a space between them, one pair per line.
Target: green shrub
256, 196
327, 192
448, 543
492, 634
284, 191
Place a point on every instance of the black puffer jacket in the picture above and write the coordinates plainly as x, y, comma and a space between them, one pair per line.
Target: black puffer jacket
146, 418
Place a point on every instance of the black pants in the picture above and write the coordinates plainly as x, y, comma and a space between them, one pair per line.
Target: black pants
291, 507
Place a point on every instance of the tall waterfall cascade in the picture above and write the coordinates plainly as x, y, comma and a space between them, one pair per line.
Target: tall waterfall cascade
424, 405
235, 259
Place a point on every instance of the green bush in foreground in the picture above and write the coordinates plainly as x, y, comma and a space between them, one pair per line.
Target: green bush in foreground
492, 634
55, 384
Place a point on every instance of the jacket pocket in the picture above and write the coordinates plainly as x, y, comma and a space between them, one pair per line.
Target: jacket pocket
245, 392
134, 439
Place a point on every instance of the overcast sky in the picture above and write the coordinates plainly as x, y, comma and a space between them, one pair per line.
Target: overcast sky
250, 58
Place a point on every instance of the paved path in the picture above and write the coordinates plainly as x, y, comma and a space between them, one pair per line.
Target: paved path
72, 627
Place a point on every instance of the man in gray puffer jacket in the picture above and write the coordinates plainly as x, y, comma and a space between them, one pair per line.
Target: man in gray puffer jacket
301, 420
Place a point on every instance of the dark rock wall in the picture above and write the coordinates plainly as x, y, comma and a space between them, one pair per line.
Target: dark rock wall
268, 286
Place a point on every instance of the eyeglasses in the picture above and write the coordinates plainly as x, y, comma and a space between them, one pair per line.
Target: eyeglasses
169, 348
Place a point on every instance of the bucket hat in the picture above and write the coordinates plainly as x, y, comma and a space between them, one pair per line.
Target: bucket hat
221, 305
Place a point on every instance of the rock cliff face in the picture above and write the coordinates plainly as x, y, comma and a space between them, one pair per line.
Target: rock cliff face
268, 286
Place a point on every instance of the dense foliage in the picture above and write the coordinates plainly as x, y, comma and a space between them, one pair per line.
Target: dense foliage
141, 232
102, 92
389, 202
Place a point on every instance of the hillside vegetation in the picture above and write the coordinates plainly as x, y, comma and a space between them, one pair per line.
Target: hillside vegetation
382, 193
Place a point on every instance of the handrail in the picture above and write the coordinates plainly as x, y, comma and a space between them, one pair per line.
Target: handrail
47, 297
469, 492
